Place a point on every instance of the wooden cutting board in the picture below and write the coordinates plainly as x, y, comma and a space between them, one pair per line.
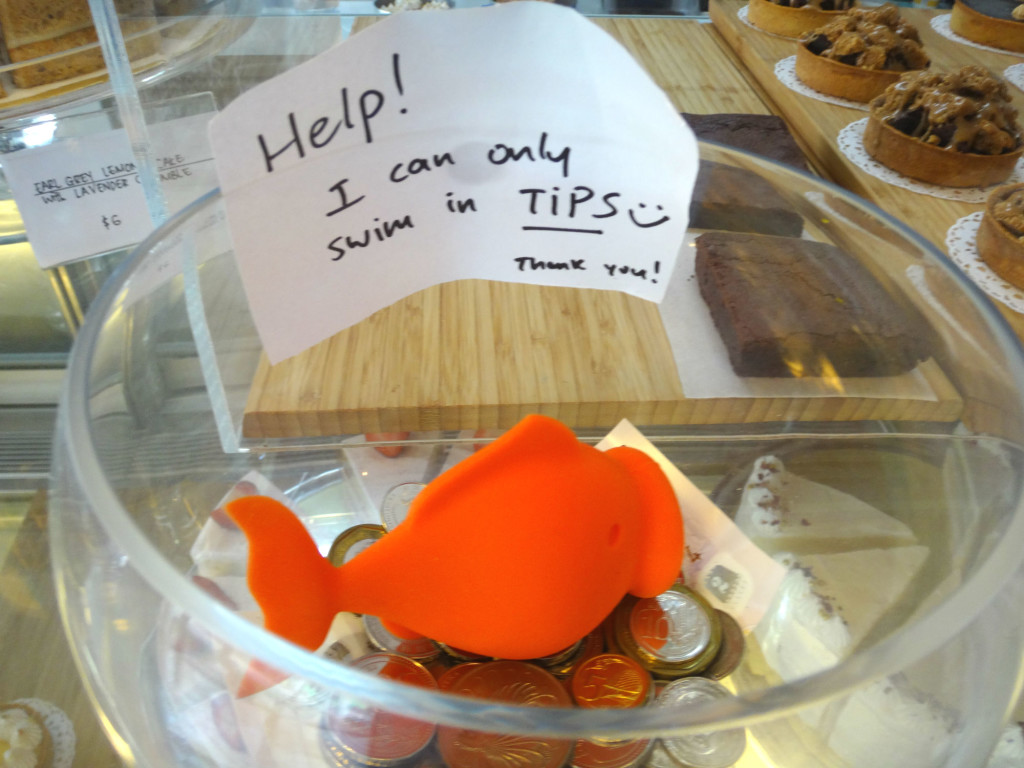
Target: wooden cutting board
480, 355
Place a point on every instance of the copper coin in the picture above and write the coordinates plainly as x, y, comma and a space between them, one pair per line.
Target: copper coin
452, 675
421, 649
592, 645
342, 547
589, 754
730, 654
373, 736
508, 682
610, 680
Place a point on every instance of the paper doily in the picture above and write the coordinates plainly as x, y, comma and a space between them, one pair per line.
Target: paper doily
62, 732
1015, 74
961, 243
940, 24
785, 70
851, 144
742, 15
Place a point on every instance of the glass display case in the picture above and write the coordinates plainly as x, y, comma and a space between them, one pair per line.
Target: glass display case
136, 316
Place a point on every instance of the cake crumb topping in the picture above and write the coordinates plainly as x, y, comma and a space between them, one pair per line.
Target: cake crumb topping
1009, 212
968, 110
870, 38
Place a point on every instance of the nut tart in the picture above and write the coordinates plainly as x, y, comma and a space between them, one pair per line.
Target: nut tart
791, 20
858, 55
996, 23
957, 129
1001, 233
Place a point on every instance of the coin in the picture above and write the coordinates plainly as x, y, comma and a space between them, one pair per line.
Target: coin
460, 655
712, 749
452, 675
395, 505
610, 680
421, 649
375, 737
730, 654
674, 634
509, 682
343, 545
589, 754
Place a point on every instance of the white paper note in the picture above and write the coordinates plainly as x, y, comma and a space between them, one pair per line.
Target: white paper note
720, 562
518, 143
80, 197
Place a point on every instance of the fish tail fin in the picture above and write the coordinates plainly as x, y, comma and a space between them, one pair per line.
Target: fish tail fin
292, 583
661, 523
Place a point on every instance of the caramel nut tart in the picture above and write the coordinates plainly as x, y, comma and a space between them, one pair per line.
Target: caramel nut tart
792, 18
957, 129
1000, 239
997, 23
858, 55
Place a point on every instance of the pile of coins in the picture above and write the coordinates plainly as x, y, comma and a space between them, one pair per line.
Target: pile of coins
667, 651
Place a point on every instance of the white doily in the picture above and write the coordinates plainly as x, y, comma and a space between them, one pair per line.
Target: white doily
1015, 74
62, 732
851, 144
961, 243
785, 70
742, 15
940, 24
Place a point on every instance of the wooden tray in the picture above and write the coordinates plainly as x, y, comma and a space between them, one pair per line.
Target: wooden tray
476, 354
818, 124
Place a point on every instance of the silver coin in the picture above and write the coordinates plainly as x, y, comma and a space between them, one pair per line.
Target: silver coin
420, 649
396, 503
713, 749
688, 628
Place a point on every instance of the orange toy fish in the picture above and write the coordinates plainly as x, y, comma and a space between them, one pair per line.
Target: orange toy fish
516, 552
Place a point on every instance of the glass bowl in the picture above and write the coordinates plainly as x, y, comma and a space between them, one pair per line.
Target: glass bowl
906, 653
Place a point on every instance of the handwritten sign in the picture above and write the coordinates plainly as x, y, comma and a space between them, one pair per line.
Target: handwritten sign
80, 197
516, 142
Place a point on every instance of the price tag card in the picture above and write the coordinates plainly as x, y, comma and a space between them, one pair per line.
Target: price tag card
81, 196
516, 142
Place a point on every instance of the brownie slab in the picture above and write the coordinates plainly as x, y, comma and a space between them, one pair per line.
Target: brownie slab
793, 308
735, 199
765, 135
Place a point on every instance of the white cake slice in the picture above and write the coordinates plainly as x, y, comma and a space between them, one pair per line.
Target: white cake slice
783, 512
889, 724
828, 603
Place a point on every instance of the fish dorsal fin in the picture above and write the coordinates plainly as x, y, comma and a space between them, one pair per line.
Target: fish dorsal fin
534, 438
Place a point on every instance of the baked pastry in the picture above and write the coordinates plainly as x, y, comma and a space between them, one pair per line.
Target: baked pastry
781, 511
791, 18
1000, 238
735, 199
37, 28
859, 54
957, 129
25, 741
998, 23
827, 604
794, 308
765, 135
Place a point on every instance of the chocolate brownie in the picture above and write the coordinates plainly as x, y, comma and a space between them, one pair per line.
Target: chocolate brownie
765, 135
788, 307
726, 197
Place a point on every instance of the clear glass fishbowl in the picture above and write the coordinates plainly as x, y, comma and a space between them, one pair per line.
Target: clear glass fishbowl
850, 590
